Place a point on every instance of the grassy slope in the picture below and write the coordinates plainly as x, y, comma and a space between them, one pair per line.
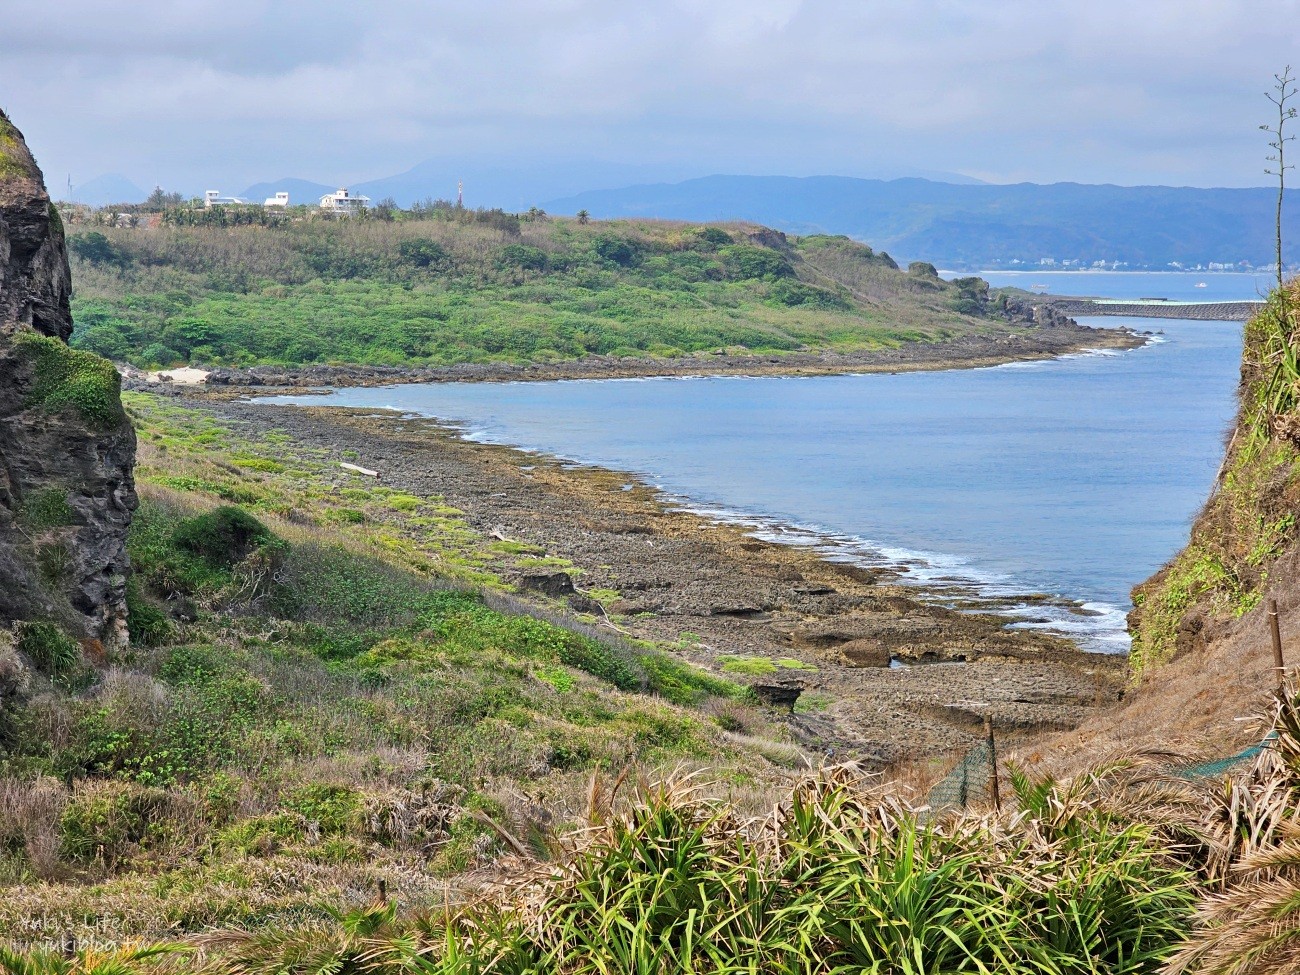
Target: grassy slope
312, 706
456, 289
311, 709
325, 701
1250, 520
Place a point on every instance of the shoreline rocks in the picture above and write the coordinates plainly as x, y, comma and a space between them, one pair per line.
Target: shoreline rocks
716, 594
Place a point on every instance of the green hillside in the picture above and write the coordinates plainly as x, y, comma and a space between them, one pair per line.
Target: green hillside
1239, 544
451, 286
327, 686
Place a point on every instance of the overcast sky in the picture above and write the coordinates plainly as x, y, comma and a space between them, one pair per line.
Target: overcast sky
198, 93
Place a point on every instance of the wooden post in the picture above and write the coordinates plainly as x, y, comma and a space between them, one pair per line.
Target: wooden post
993, 763
1277, 643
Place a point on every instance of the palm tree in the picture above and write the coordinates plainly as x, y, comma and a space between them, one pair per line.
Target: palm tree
583, 216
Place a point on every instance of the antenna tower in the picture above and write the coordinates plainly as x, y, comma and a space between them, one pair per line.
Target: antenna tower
460, 194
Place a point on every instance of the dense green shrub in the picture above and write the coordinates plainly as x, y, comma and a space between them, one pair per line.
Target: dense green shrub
161, 566
713, 237
422, 252
71, 378
746, 261
522, 256
51, 651
95, 248
158, 355
108, 821
616, 250
224, 536
792, 294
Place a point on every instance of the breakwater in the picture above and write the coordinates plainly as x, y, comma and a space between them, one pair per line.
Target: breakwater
1209, 311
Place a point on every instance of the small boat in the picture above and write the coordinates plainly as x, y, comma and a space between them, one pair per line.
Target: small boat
1038, 287
1200, 284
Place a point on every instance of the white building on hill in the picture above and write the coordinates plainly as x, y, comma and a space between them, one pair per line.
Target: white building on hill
342, 202
279, 200
213, 198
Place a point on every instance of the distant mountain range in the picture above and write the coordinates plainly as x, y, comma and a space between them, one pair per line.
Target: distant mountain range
511, 186
514, 188
948, 219
981, 225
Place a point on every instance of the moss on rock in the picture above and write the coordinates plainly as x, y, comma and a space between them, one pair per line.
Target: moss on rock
66, 377
12, 165
47, 508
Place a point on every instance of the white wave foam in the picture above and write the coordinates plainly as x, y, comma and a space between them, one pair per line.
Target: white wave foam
943, 577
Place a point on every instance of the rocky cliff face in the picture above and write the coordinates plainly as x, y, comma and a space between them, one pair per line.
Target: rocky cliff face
66, 447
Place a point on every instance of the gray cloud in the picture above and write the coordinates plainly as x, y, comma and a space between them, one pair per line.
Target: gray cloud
192, 92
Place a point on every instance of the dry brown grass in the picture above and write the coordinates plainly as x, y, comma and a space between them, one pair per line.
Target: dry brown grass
1202, 703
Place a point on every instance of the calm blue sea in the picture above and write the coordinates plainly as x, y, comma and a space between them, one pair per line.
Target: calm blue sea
1172, 286
1076, 477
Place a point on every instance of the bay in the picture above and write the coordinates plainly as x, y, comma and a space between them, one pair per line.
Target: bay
1076, 477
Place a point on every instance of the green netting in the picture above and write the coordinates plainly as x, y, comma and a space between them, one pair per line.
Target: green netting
967, 783
1221, 766
1205, 770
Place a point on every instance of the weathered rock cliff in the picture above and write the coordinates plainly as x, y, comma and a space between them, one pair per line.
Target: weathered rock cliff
66, 447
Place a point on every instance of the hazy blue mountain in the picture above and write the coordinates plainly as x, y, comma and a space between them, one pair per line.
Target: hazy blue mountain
102, 191
510, 185
299, 190
972, 225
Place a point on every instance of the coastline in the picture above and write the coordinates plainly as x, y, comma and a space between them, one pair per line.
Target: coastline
967, 352
720, 590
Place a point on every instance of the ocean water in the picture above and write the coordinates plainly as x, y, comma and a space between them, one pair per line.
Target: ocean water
1171, 285
1075, 478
